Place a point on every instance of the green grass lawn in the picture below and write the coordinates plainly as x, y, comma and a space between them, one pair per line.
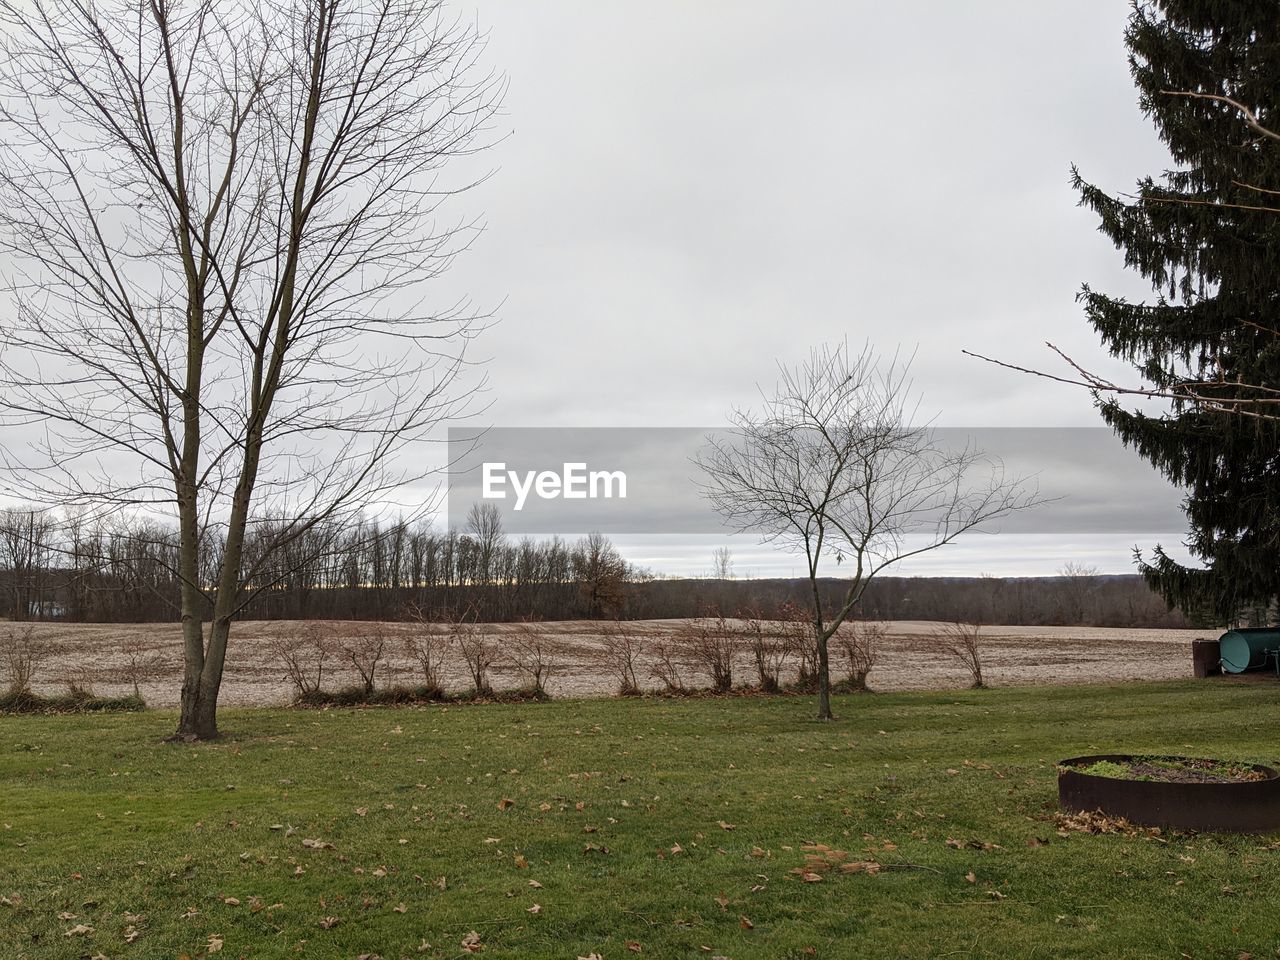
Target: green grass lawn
663, 828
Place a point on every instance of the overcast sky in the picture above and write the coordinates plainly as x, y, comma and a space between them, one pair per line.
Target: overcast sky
691, 192
687, 193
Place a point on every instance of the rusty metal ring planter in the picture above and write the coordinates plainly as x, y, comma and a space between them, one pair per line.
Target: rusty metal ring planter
1245, 806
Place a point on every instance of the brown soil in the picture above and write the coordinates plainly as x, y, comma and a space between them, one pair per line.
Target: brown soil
1194, 771
99, 655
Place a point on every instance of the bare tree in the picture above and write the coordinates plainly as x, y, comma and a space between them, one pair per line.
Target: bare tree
722, 564
222, 217
26, 552
484, 523
962, 642
601, 573
1083, 583
835, 466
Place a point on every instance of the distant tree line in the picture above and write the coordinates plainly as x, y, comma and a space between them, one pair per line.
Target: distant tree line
71, 569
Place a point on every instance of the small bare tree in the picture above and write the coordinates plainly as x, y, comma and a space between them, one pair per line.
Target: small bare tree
365, 650
621, 647
533, 653
835, 466
962, 641
722, 564
1082, 584
859, 643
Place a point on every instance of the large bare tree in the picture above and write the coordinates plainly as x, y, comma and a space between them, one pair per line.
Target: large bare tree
835, 466
219, 218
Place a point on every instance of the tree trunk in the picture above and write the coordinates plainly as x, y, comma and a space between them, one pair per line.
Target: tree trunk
199, 717
824, 681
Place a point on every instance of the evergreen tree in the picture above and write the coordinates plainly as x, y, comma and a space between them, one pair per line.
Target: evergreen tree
1201, 235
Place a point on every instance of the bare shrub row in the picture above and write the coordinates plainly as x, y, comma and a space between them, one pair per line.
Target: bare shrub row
312, 655
23, 651
712, 646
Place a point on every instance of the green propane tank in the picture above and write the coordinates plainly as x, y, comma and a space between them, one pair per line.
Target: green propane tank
1247, 648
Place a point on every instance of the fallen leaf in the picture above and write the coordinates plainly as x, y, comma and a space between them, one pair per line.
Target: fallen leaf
79, 930
536, 908
215, 943
472, 943
328, 923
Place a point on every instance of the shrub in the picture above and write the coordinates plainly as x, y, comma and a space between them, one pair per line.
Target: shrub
75, 701
477, 649
796, 625
711, 642
532, 653
668, 665
140, 662
427, 650
620, 650
303, 656
770, 648
365, 651
21, 652
858, 642
962, 642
